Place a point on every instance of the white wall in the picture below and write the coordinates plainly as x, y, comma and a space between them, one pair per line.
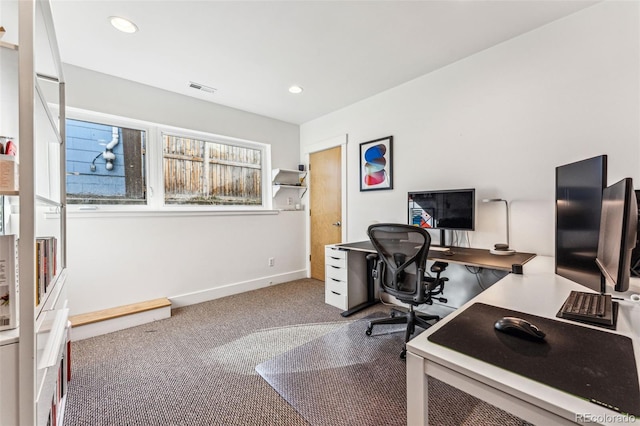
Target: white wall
116, 259
500, 121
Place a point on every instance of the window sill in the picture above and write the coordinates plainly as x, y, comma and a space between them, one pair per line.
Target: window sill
165, 213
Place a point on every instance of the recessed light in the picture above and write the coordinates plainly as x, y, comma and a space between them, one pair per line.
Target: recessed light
123, 24
295, 89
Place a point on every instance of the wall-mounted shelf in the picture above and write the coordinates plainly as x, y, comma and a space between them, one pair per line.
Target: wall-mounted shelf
289, 179
10, 46
277, 187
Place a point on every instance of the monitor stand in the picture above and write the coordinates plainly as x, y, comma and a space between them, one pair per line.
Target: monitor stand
443, 239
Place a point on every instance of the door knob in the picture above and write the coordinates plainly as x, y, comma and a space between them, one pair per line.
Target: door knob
337, 224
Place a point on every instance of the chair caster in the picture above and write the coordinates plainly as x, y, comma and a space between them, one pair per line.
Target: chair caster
368, 332
403, 354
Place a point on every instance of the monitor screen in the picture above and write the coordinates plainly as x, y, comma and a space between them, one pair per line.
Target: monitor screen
635, 255
618, 228
579, 188
452, 209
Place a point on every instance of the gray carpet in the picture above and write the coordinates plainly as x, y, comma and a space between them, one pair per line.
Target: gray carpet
347, 378
198, 367
361, 373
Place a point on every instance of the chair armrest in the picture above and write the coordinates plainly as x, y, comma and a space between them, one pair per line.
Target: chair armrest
438, 267
435, 285
430, 282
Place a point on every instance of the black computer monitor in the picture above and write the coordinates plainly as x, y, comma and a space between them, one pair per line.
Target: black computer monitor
579, 188
635, 255
448, 209
618, 232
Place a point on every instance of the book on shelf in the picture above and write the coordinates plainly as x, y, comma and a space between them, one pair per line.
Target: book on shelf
8, 282
8, 173
46, 265
53, 414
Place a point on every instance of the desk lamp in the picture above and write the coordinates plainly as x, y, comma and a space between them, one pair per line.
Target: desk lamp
501, 249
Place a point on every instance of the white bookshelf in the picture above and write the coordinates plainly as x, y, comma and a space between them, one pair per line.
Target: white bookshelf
31, 83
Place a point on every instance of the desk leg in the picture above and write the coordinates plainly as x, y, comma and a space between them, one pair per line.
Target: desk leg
371, 292
417, 391
358, 308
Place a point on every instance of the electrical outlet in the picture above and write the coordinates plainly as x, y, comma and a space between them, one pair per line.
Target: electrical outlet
272, 261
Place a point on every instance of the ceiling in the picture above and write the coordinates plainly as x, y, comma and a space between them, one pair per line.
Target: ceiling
251, 52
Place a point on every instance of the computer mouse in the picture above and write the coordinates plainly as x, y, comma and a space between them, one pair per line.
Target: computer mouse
519, 327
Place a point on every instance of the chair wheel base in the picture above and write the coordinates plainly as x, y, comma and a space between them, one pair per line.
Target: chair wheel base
368, 332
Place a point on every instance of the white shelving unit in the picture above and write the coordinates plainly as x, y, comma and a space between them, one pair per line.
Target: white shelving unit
31, 83
291, 182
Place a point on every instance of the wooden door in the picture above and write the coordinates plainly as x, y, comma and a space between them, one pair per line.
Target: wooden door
325, 186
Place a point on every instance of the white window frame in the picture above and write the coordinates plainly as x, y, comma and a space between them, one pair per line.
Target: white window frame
154, 169
208, 137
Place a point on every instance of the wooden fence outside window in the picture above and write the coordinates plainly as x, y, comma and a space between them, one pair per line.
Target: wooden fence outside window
231, 175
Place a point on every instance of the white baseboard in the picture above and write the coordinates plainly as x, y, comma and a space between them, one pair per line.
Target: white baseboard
235, 288
132, 320
108, 326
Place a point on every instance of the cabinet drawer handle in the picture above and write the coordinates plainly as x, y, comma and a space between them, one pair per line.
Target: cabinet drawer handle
335, 267
338, 281
336, 258
337, 294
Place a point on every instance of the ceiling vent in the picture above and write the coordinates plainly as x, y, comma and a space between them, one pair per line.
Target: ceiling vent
202, 87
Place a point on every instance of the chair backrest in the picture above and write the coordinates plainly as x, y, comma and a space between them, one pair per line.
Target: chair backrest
402, 257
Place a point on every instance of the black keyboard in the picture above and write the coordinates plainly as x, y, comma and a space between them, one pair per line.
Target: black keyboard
588, 307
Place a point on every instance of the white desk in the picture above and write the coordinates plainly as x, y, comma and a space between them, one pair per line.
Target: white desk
539, 292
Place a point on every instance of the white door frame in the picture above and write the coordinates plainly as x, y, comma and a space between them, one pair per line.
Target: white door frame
322, 145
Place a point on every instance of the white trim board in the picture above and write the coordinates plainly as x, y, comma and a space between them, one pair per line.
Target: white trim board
342, 141
115, 324
235, 288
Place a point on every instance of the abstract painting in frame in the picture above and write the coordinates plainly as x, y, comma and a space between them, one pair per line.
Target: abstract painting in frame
376, 165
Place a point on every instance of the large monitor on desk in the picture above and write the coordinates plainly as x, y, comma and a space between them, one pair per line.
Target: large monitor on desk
635, 254
616, 240
579, 188
618, 231
449, 209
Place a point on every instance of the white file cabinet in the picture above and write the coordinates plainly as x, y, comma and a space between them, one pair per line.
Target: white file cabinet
341, 268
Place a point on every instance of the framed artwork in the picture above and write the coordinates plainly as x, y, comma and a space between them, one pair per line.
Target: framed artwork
376, 165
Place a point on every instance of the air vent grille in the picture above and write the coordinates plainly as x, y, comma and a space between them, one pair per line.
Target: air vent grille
202, 87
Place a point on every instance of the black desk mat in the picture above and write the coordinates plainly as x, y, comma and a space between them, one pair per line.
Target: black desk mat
592, 364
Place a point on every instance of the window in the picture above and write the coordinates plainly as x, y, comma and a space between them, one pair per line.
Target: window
105, 164
116, 164
210, 173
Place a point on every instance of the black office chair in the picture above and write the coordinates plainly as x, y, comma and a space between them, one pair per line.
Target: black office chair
400, 271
